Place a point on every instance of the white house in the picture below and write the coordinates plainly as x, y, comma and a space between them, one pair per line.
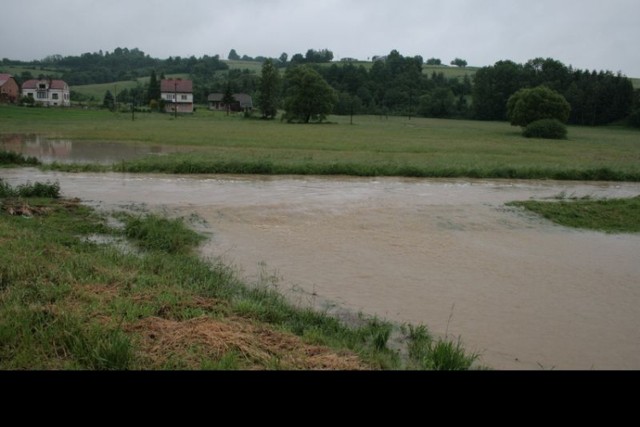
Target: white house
177, 95
48, 92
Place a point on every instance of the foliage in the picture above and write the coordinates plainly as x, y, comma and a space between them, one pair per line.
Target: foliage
268, 97
108, 101
596, 98
530, 105
308, 96
38, 189
546, 129
459, 62
233, 55
12, 158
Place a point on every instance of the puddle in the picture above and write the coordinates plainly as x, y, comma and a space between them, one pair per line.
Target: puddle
525, 293
49, 150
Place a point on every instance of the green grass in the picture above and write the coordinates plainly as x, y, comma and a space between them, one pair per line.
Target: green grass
373, 146
609, 215
67, 302
11, 158
98, 90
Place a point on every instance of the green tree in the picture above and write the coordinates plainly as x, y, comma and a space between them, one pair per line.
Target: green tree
228, 100
529, 105
153, 91
308, 95
233, 55
108, 101
459, 62
269, 94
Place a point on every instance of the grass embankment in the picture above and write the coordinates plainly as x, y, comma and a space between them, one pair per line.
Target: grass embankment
611, 215
68, 301
374, 146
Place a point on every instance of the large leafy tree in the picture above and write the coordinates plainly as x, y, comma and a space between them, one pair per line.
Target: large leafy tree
269, 94
308, 95
529, 105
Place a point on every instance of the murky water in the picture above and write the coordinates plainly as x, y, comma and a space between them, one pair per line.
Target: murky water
49, 150
447, 253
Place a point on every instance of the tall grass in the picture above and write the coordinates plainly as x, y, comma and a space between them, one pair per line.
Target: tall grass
12, 158
38, 189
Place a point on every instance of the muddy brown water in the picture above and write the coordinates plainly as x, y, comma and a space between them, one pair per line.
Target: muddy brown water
525, 293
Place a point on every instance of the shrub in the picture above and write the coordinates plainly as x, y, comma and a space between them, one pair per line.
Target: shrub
546, 129
529, 105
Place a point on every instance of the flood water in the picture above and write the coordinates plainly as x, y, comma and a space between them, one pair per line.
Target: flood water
525, 293
49, 150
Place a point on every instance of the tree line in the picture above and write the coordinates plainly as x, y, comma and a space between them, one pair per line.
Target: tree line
391, 85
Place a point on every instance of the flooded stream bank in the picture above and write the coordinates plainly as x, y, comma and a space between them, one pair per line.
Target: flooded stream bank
446, 253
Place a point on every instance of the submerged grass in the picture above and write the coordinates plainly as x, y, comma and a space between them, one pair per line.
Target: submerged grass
69, 303
608, 215
373, 146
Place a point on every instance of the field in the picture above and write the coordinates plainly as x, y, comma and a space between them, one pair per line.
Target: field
373, 146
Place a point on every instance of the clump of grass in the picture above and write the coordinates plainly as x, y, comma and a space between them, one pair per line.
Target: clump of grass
438, 355
155, 233
11, 158
608, 215
46, 190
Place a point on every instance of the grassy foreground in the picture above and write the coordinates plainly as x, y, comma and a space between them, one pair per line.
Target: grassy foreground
76, 293
373, 146
609, 215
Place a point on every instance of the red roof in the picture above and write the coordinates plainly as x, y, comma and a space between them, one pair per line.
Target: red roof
54, 84
180, 86
4, 78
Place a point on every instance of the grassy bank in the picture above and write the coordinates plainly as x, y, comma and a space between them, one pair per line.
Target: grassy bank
611, 216
373, 146
76, 293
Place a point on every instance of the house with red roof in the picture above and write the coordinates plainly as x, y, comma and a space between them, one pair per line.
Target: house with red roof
9, 89
48, 92
177, 95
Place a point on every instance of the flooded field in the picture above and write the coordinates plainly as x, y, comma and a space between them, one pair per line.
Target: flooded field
49, 150
447, 253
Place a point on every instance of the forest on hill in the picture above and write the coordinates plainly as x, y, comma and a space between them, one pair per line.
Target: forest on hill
387, 85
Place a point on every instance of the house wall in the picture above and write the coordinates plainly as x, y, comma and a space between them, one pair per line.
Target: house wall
10, 91
184, 104
50, 97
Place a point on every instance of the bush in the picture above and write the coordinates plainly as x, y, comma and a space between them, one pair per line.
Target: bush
529, 105
546, 129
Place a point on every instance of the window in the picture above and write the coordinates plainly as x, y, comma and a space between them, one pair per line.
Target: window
42, 95
54, 96
183, 97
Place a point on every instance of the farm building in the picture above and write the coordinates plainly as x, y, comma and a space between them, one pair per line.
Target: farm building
177, 95
9, 89
48, 92
243, 102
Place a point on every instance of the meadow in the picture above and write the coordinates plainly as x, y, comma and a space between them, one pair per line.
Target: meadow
372, 146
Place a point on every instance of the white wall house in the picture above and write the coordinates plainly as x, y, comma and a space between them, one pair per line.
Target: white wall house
48, 92
177, 95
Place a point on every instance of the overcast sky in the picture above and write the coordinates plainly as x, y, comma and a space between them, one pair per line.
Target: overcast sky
588, 34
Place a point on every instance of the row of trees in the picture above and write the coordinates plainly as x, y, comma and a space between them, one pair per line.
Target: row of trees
393, 84
596, 98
